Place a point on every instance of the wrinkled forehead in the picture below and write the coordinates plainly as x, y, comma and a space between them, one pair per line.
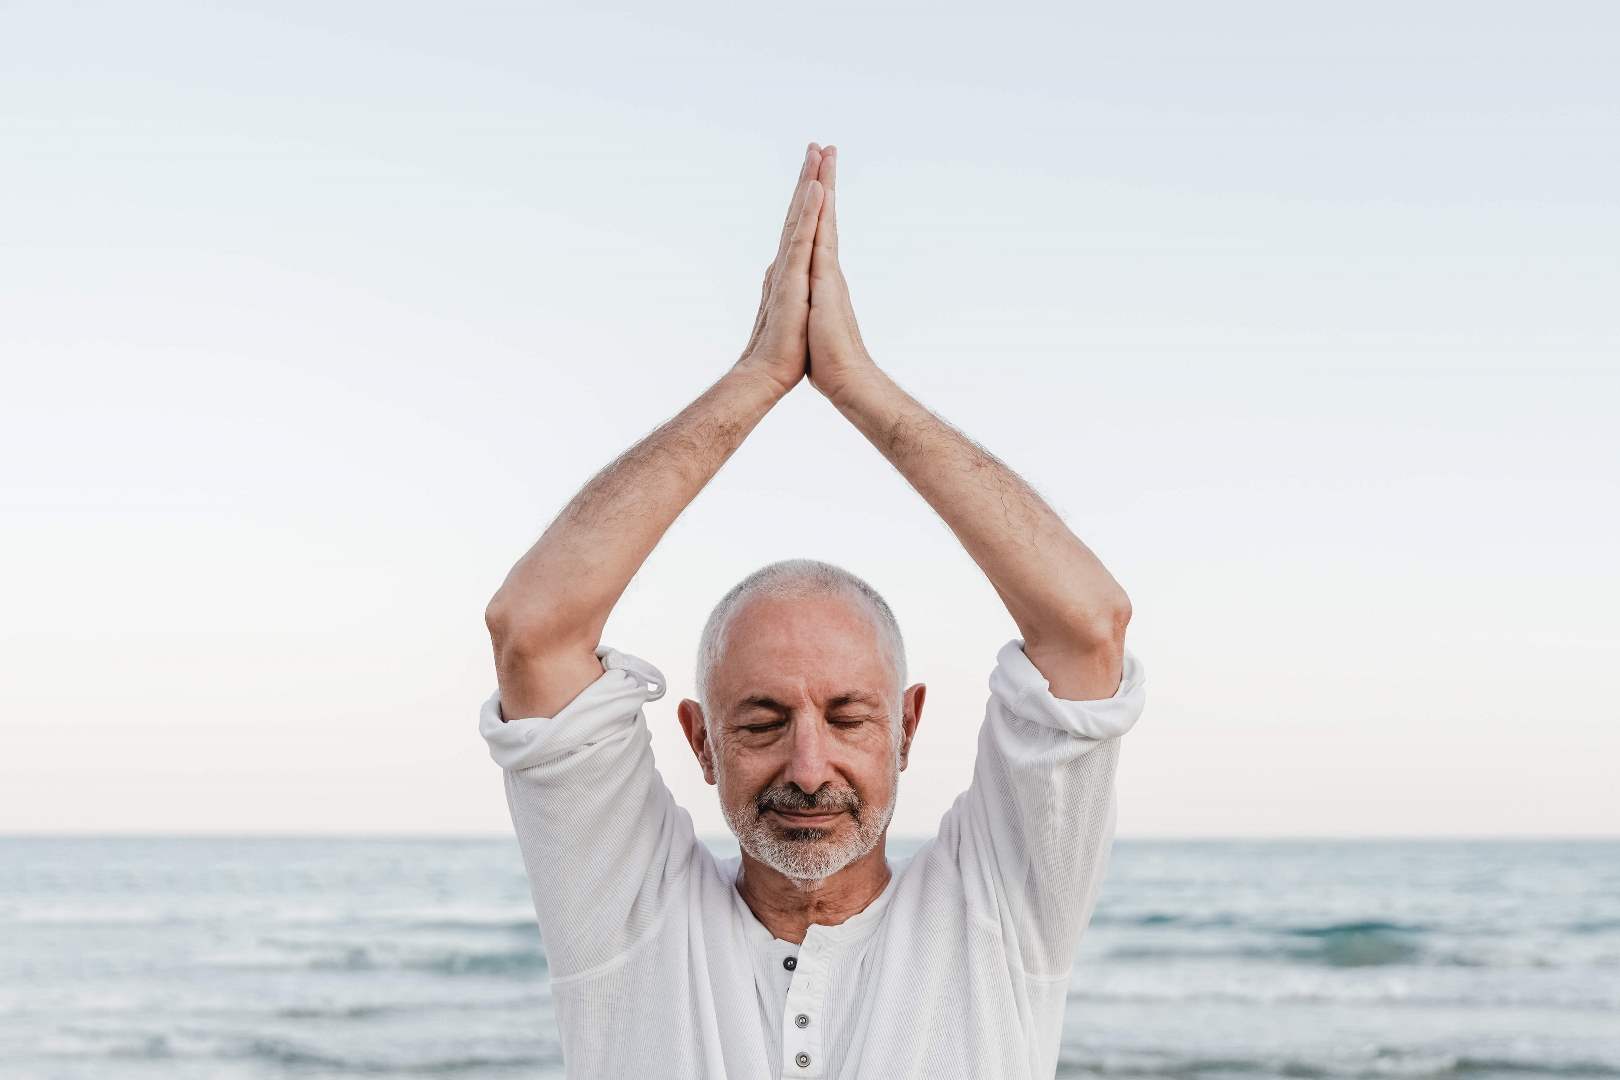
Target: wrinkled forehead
812, 647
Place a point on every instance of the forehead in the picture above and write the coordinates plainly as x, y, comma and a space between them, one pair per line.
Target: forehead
814, 646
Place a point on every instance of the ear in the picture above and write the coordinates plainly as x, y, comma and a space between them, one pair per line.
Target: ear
697, 735
912, 704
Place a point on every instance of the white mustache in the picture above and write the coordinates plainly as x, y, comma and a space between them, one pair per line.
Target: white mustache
791, 799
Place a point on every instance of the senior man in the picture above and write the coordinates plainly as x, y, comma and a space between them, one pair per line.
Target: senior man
809, 954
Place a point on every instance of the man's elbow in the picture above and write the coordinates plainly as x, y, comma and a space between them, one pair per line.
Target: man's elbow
499, 619
1089, 629
1100, 625
530, 625
1118, 617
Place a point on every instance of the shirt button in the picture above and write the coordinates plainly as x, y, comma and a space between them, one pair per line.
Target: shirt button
790, 962
802, 1060
802, 1020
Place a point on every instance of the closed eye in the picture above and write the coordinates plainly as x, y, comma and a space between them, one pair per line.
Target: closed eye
761, 728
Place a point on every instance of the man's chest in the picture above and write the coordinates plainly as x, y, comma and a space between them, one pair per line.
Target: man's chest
927, 995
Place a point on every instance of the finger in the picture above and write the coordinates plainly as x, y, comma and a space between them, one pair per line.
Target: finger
827, 230
807, 172
797, 264
824, 252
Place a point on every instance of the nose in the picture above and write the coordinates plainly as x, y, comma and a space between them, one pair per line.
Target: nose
810, 766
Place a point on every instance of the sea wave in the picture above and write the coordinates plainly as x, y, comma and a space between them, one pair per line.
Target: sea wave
1250, 988
1594, 926
498, 925
286, 1053
1365, 944
1352, 943
1358, 944
192, 1046
341, 1012
1167, 919
1381, 1064
200, 913
280, 954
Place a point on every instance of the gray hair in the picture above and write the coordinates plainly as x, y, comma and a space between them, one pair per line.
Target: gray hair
793, 579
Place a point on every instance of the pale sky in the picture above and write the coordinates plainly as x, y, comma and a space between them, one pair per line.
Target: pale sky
1304, 318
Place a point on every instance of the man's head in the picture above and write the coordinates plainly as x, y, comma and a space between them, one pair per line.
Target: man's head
803, 708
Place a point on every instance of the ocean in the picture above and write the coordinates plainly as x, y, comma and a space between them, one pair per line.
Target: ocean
231, 959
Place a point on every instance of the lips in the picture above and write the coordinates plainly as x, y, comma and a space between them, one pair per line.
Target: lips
799, 818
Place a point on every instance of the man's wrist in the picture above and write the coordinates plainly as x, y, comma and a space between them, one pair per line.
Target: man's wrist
861, 389
757, 379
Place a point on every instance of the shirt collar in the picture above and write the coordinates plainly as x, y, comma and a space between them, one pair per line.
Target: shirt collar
855, 928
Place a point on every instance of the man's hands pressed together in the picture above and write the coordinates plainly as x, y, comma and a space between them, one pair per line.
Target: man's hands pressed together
779, 344
806, 324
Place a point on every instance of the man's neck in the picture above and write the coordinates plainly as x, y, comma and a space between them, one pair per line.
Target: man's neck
788, 906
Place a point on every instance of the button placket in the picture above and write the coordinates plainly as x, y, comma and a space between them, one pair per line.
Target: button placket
801, 1029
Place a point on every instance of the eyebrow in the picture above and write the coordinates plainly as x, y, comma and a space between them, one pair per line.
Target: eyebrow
848, 697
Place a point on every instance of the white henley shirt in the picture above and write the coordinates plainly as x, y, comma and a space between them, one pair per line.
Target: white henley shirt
959, 968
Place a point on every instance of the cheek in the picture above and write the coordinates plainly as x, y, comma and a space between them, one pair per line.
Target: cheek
873, 783
742, 777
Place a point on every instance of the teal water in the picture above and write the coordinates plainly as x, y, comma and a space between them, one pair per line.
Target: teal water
257, 958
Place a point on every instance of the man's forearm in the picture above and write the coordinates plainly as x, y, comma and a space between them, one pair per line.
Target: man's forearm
1056, 590
569, 581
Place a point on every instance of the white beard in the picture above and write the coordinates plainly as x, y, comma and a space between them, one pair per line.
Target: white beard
809, 860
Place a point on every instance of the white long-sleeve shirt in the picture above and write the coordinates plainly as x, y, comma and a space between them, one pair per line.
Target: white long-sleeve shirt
960, 967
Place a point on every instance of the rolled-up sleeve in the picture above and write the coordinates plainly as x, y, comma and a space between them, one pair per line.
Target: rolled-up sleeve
1033, 831
602, 839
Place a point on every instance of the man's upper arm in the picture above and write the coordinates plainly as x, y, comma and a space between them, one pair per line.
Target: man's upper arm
601, 837
1035, 827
